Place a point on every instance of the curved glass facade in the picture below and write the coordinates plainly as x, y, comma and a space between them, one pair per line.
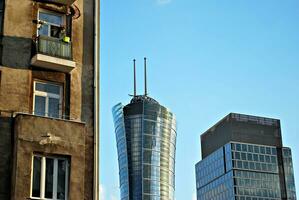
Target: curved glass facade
146, 139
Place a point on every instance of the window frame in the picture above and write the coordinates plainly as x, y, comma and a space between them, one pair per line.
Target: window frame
48, 95
49, 23
55, 177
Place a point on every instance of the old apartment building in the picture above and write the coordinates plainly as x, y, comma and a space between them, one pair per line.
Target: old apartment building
49, 99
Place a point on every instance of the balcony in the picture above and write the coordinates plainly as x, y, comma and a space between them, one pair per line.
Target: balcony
53, 53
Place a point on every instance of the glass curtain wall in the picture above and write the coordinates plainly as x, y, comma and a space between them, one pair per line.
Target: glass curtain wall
146, 137
243, 171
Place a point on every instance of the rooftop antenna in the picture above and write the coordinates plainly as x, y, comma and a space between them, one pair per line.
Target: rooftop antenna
145, 81
134, 77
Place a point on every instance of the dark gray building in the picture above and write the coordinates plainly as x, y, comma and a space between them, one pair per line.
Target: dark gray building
243, 159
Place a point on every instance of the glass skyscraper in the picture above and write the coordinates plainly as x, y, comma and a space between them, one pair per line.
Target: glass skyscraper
243, 159
146, 141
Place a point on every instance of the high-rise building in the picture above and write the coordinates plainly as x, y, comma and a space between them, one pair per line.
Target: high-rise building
49, 99
146, 139
243, 159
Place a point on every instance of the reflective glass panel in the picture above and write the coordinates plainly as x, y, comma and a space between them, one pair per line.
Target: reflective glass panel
50, 18
36, 176
40, 105
53, 107
46, 87
61, 179
49, 178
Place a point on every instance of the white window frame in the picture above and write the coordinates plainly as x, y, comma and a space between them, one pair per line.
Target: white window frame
49, 23
47, 95
55, 175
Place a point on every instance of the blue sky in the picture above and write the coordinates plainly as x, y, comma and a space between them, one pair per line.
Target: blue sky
205, 60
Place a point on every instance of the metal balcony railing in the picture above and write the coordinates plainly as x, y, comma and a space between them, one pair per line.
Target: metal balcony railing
54, 47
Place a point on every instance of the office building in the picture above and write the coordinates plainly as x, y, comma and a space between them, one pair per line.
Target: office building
49, 99
243, 159
146, 139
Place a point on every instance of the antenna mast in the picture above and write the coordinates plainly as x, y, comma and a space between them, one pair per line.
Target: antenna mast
145, 81
134, 77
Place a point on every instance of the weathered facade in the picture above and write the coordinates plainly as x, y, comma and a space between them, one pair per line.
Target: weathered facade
48, 100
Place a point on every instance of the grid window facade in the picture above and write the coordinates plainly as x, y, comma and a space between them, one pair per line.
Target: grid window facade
256, 185
289, 173
254, 157
210, 168
221, 188
250, 172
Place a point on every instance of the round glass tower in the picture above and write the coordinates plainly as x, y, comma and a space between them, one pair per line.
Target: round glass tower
146, 139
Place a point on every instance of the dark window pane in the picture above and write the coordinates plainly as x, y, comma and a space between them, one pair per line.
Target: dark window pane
243, 156
244, 147
46, 87
273, 159
256, 149
250, 148
274, 151
55, 31
36, 176
62, 165
255, 157
49, 178
238, 147
268, 150
249, 156
51, 18
53, 107
44, 30
40, 105
267, 159
263, 150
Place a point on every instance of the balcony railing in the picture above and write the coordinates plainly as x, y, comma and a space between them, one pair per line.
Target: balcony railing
54, 47
53, 53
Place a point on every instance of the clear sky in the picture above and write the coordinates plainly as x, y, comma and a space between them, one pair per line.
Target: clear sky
205, 59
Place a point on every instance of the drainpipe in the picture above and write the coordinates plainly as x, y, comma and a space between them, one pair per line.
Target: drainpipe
96, 97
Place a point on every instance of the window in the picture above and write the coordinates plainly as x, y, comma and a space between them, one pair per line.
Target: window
1, 15
50, 24
49, 178
47, 99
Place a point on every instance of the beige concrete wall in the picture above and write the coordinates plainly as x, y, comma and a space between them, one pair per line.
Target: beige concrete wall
76, 74
29, 139
15, 89
18, 18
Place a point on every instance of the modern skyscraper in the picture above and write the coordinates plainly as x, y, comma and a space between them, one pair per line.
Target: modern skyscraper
49, 69
243, 159
146, 139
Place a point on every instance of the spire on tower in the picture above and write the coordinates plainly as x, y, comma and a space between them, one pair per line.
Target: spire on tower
145, 81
